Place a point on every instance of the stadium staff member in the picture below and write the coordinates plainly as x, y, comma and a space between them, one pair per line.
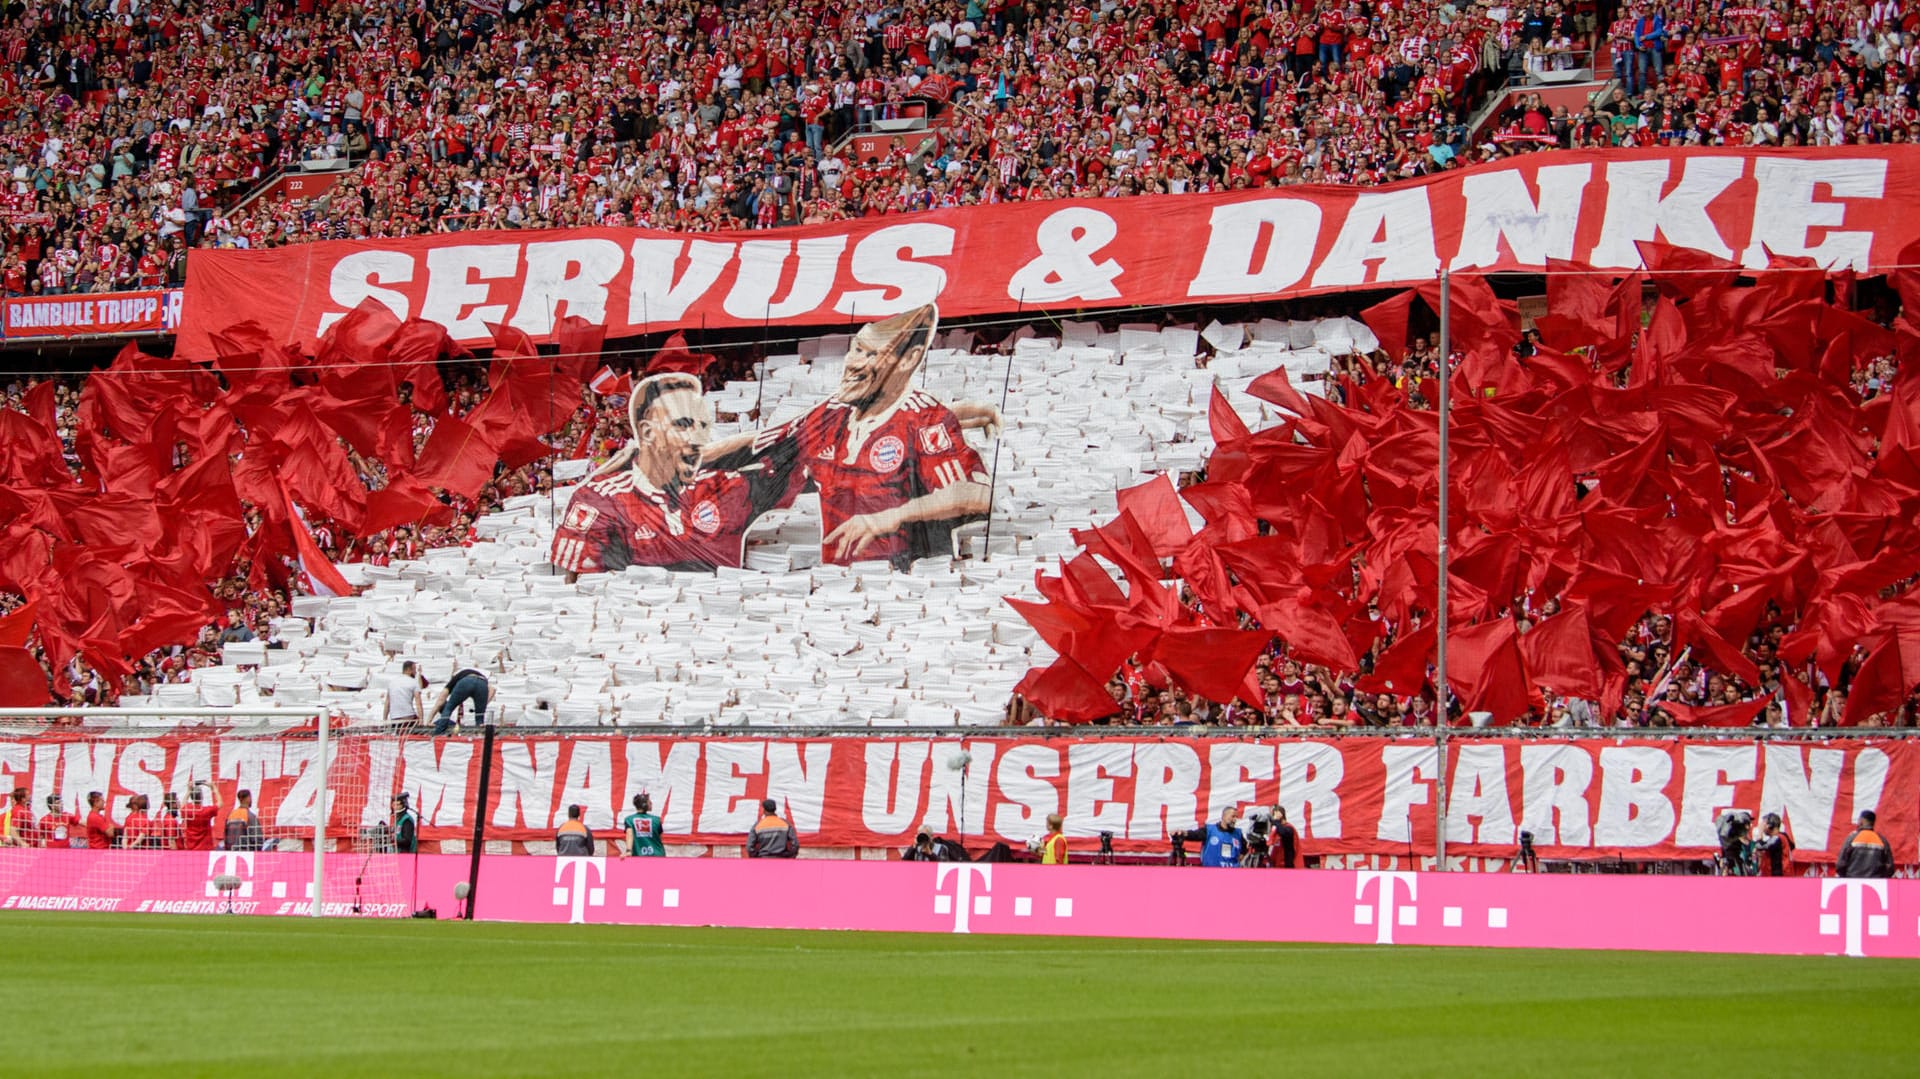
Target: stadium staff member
243, 827
772, 837
101, 831
406, 827
1224, 843
1053, 851
1865, 854
467, 684
573, 840
643, 830
196, 822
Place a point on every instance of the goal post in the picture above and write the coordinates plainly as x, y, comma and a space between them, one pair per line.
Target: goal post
186, 810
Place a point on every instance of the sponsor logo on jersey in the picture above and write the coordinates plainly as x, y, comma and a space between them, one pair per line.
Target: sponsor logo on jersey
936, 439
706, 517
887, 454
580, 517
643, 534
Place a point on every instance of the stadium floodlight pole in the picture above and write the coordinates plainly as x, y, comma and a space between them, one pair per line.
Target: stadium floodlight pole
320, 814
1440, 615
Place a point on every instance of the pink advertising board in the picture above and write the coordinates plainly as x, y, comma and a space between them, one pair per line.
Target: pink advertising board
1794, 916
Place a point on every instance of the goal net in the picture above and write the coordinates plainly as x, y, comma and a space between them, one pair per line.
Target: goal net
200, 811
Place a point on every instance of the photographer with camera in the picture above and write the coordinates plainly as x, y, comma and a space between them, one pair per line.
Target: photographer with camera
1736, 843
1773, 848
927, 847
1224, 846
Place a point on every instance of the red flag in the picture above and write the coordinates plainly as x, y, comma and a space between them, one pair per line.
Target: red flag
1489, 673
1275, 388
1065, 693
456, 459
607, 383
1222, 421
16, 626
415, 350
580, 343
404, 501
1560, 653
1401, 670
1156, 506
1212, 663
1727, 715
674, 357
23, 682
583, 446
321, 576
1388, 321
1891, 671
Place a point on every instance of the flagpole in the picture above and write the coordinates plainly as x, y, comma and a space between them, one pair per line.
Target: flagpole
1440, 627
993, 477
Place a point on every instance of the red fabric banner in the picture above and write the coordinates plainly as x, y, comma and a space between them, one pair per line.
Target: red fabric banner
91, 314
1591, 797
1842, 206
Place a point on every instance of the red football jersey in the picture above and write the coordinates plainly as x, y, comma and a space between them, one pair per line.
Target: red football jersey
862, 467
621, 520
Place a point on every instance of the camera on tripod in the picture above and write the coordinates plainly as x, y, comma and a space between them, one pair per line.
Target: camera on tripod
1736, 842
1529, 860
1259, 841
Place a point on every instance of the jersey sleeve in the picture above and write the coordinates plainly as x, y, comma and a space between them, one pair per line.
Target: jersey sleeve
589, 538
941, 455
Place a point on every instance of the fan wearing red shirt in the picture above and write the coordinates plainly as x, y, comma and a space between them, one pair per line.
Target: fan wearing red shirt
196, 822
137, 832
58, 828
894, 472
101, 831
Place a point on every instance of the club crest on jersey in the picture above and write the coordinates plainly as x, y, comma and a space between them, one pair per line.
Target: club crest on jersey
580, 518
706, 517
887, 454
935, 439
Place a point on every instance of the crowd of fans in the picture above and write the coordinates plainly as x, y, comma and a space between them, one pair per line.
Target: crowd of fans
131, 129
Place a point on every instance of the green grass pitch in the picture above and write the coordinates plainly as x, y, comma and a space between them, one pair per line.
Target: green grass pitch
173, 996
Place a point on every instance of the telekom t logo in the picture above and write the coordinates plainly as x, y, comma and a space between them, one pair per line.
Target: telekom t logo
578, 894
962, 903
1849, 923
1385, 910
231, 863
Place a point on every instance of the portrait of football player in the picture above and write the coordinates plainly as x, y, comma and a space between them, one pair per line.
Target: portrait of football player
894, 472
652, 505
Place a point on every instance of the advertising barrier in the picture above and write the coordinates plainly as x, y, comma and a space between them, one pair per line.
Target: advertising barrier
1580, 797
1842, 207
93, 314
1802, 916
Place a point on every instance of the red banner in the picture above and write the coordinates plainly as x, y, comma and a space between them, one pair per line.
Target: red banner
1626, 797
92, 314
1843, 206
